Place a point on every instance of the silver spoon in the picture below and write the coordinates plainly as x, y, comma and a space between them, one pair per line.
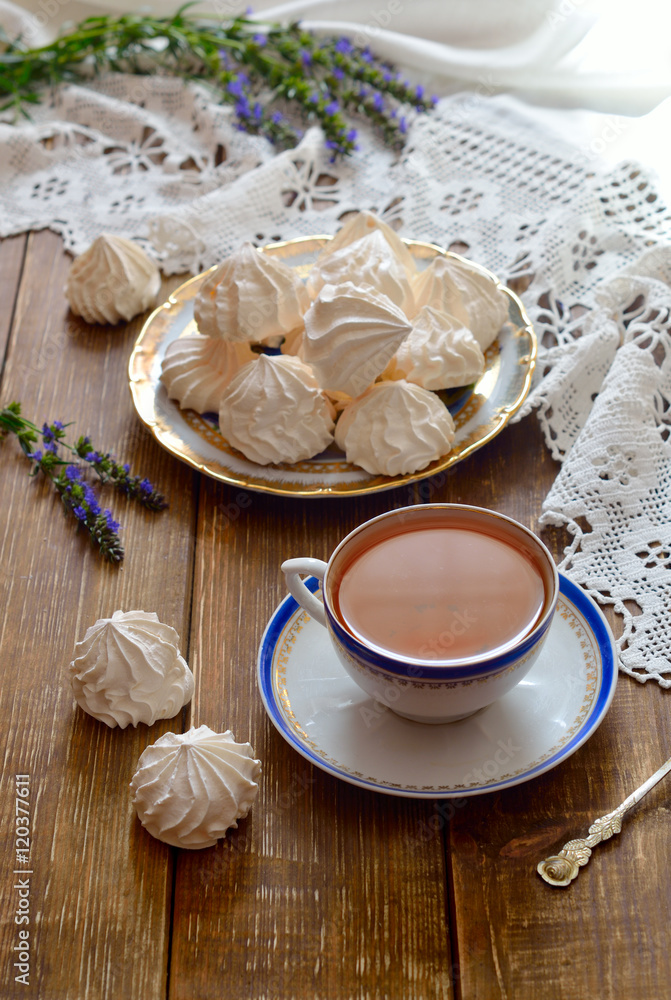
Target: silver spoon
562, 868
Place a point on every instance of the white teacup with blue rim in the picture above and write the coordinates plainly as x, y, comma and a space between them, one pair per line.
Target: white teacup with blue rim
435, 610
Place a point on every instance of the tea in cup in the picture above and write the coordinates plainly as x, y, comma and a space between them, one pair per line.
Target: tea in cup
437, 610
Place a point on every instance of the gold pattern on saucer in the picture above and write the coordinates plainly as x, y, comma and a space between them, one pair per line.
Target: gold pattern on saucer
198, 442
588, 642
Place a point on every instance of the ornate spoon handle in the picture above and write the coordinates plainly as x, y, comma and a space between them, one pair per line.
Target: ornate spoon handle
562, 868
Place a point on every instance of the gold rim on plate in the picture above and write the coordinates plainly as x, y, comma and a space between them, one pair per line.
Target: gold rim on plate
481, 414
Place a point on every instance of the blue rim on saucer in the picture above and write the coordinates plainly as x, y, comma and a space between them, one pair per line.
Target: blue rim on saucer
324, 716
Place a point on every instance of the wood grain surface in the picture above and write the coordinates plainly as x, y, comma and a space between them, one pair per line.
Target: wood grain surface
326, 891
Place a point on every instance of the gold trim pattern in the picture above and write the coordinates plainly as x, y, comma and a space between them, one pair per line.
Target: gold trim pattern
424, 685
592, 661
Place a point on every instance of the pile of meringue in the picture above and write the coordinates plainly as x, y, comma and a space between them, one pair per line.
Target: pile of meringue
366, 342
189, 788
112, 281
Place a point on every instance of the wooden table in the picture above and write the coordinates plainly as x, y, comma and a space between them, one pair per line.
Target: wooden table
326, 890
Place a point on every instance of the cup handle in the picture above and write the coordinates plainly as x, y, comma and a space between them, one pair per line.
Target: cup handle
292, 569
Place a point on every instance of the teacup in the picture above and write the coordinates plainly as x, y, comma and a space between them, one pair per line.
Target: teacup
436, 610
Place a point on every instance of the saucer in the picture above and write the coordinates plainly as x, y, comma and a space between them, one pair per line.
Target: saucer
335, 725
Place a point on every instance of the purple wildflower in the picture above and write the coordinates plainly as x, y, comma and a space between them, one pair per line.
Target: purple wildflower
242, 108
91, 499
235, 87
112, 525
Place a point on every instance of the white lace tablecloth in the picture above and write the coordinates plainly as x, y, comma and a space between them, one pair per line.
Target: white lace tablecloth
159, 161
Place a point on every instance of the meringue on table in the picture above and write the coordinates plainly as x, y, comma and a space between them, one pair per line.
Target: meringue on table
128, 669
113, 281
273, 410
190, 788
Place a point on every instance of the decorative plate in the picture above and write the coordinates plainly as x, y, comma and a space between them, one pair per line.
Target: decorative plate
327, 718
480, 412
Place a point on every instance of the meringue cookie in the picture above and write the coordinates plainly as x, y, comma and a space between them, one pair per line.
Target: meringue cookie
195, 370
113, 280
128, 669
368, 261
395, 428
362, 224
249, 297
274, 411
456, 287
190, 788
438, 353
351, 334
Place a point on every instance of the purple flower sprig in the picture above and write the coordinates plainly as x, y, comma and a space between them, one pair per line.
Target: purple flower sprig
277, 77
78, 497
119, 475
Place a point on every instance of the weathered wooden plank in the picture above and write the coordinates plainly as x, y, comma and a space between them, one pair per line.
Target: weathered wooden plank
604, 935
321, 892
100, 888
12, 252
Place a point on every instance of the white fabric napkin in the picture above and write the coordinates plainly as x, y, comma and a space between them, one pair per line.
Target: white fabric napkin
556, 52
